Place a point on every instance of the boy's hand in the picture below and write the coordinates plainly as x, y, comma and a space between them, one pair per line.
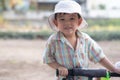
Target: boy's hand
63, 71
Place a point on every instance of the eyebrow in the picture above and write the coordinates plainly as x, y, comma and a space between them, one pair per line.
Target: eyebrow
60, 14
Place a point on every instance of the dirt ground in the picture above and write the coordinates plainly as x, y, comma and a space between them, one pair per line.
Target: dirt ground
22, 59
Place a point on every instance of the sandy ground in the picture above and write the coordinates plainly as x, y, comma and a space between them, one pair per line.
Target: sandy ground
22, 59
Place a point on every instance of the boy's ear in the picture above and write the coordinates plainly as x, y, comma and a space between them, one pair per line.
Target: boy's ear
80, 21
55, 22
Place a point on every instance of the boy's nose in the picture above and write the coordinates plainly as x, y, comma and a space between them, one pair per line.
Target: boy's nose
67, 22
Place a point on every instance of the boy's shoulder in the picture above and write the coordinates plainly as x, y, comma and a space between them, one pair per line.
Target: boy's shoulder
53, 36
84, 35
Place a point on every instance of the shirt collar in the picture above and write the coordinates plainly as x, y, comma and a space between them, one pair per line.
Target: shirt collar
60, 36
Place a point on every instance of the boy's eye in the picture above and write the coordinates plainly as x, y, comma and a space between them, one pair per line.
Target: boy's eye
62, 19
71, 18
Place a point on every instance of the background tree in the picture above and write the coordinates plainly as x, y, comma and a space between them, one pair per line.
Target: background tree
2, 5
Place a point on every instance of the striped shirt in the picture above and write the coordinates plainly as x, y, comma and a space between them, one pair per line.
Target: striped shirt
58, 49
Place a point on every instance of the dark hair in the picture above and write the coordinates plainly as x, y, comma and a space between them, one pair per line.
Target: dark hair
64, 13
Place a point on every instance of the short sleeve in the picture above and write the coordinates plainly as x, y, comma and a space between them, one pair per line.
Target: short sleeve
95, 52
48, 55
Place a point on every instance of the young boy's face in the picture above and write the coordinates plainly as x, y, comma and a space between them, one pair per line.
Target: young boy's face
67, 23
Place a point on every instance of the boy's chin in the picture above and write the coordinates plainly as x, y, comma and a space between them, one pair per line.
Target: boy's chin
69, 33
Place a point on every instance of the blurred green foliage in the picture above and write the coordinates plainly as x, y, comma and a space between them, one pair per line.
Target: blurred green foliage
96, 35
102, 6
104, 22
24, 35
98, 29
104, 35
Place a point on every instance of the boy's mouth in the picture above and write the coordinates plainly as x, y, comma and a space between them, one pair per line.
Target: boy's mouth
68, 28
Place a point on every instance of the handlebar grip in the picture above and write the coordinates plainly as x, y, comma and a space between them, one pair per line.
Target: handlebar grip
90, 72
114, 75
57, 72
70, 72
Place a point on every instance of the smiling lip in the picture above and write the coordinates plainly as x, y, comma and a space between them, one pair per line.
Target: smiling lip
68, 28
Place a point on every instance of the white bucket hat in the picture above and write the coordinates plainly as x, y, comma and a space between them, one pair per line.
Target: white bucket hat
66, 6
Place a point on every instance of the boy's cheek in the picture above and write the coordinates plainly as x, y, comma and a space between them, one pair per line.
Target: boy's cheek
55, 22
80, 21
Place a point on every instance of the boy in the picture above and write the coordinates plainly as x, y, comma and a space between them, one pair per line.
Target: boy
69, 47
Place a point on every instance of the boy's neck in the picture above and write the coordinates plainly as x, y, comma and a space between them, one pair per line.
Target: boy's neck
73, 40
73, 36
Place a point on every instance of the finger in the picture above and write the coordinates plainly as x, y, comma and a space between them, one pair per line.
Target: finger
62, 73
65, 73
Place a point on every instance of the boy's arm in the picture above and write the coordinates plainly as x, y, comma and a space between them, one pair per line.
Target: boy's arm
106, 63
62, 70
54, 65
